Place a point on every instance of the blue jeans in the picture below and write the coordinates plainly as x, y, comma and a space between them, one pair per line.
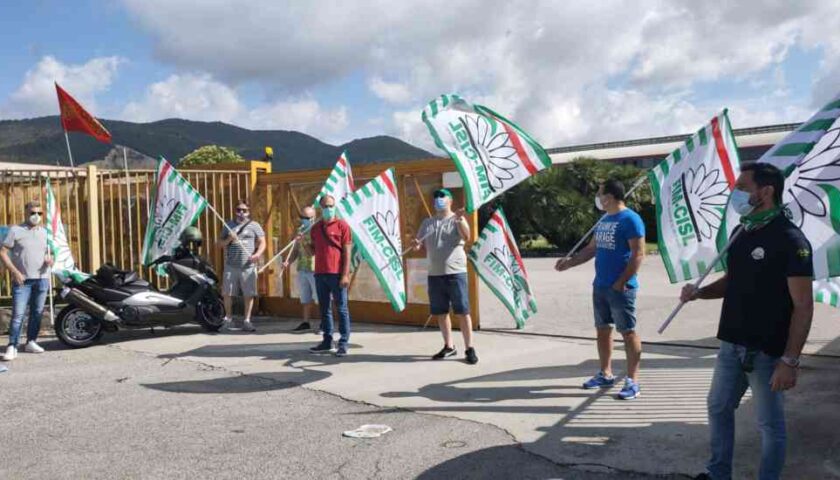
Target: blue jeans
327, 285
614, 308
729, 384
32, 293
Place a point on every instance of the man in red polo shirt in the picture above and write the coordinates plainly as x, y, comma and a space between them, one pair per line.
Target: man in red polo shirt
332, 244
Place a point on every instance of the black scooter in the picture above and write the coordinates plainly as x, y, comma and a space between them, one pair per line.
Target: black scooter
112, 300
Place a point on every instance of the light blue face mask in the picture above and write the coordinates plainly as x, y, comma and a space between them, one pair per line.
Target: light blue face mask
740, 201
305, 222
328, 213
440, 203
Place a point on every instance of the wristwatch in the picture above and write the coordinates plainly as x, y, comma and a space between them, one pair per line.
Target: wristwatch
792, 362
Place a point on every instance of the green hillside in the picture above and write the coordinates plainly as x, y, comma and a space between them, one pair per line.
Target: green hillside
41, 140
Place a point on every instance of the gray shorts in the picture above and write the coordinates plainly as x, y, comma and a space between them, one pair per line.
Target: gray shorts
240, 279
306, 285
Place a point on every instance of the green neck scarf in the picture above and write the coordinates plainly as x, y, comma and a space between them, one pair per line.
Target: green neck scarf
755, 221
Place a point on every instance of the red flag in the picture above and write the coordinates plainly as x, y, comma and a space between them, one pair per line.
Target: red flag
74, 118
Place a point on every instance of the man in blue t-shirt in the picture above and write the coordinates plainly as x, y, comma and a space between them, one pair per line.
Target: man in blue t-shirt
619, 248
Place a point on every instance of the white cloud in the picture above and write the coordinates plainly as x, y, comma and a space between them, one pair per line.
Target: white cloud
200, 97
36, 95
566, 71
391, 92
304, 115
189, 96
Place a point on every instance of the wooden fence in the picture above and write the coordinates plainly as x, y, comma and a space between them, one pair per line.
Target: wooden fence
287, 192
105, 212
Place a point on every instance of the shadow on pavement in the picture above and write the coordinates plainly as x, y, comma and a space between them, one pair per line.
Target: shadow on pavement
251, 383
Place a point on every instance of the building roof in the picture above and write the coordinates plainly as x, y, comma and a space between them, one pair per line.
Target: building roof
661, 146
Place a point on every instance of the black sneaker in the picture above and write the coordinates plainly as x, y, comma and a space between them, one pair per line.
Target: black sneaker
303, 326
703, 476
471, 357
444, 352
323, 347
342, 351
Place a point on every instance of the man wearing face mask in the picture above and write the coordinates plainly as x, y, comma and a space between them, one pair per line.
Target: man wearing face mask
332, 245
443, 237
764, 322
618, 246
305, 268
29, 266
244, 242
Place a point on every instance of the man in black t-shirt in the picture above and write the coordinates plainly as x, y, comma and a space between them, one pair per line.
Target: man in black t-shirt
764, 322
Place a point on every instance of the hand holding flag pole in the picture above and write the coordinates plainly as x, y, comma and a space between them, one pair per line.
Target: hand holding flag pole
700, 280
419, 241
286, 248
227, 227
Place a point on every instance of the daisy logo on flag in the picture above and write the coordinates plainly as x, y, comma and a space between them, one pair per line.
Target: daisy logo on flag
492, 154
373, 214
490, 146
705, 196
810, 182
384, 229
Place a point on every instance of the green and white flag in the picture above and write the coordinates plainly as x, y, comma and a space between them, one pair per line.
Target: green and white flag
827, 291
340, 182
373, 213
691, 188
63, 265
810, 159
491, 153
176, 205
497, 260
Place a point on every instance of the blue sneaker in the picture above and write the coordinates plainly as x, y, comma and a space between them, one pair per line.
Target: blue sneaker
599, 381
630, 391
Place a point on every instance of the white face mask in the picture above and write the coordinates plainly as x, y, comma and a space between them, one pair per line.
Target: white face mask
598, 203
34, 219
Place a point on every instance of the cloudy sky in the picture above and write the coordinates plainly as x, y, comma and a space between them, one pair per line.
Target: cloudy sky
568, 72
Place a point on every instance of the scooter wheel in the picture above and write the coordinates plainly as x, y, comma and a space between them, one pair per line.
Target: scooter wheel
76, 328
210, 313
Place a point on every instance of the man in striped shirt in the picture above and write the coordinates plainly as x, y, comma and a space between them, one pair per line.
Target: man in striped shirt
244, 244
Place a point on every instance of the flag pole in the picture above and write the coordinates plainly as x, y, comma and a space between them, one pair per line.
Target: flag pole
287, 247
700, 280
224, 224
52, 304
424, 237
586, 235
69, 152
128, 200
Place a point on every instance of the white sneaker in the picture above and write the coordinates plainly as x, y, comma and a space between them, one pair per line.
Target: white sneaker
32, 347
11, 353
248, 326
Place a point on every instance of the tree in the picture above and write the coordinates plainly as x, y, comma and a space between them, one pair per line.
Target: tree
210, 154
558, 203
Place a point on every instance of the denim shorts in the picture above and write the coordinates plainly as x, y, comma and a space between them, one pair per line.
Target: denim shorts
447, 291
614, 308
306, 287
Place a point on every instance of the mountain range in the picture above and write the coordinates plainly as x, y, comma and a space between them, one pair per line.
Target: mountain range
41, 141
